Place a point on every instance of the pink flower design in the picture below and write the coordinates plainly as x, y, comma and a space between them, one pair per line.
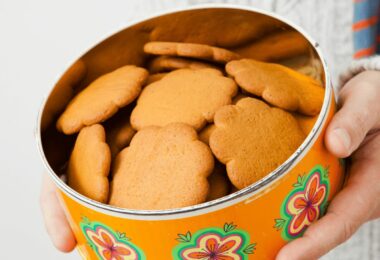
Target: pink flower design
214, 247
109, 247
305, 206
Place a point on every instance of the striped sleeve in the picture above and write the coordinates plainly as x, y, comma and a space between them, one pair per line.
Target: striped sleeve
365, 28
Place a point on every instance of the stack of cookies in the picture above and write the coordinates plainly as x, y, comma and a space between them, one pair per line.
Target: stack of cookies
197, 123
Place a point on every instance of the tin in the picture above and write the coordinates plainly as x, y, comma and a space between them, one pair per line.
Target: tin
252, 223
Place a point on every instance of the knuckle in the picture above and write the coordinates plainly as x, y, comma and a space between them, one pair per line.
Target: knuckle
348, 230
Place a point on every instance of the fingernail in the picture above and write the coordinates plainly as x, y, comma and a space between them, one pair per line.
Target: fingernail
345, 138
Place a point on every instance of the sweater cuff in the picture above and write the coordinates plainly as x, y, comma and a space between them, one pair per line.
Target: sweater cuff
358, 66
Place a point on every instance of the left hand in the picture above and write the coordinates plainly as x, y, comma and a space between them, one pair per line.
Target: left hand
354, 131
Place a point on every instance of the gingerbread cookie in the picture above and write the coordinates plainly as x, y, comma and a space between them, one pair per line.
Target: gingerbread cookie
186, 96
119, 131
89, 164
191, 50
276, 46
155, 77
305, 122
219, 183
169, 63
253, 139
102, 98
278, 85
163, 168
206, 132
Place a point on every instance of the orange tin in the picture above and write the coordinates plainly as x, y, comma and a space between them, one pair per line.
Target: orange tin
253, 223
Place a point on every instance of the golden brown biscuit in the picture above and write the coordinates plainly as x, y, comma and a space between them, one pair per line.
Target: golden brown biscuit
102, 98
89, 164
205, 133
186, 96
163, 168
305, 122
278, 85
217, 27
276, 46
119, 131
253, 139
191, 50
155, 77
169, 63
219, 183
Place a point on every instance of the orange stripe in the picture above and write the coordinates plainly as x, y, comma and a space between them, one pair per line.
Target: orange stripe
365, 23
378, 39
364, 52
358, 1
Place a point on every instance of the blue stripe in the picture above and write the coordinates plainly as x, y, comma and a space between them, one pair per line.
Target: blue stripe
365, 9
364, 38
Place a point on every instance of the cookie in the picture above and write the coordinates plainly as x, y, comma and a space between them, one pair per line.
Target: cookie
217, 27
102, 98
278, 85
253, 139
119, 131
89, 164
276, 46
169, 63
155, 77
163, 168
205, 133
186, 96
305, 122
191, 50
219, 183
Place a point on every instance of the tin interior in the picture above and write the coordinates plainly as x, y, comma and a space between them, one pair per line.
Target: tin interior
224, 26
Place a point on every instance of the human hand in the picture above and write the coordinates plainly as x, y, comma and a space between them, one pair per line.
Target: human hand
55, 219
354, 131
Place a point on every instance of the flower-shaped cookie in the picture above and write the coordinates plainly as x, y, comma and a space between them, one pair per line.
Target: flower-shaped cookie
278, 85
253, 139
164, 167
89, 164
186, 96
102, 98
191, 50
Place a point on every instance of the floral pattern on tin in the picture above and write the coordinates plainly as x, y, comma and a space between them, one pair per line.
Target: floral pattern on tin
305, 204
108, 244
227, 243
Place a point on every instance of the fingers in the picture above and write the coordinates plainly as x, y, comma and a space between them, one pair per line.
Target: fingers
353, 206
56, 223
359, 114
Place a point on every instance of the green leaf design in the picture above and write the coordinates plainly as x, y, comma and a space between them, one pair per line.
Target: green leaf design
300, 180
229, 227
279, 223
86, 220
250, 249
122, 236
326, 171
184, 238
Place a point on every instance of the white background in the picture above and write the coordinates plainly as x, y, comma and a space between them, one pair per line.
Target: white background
38, 40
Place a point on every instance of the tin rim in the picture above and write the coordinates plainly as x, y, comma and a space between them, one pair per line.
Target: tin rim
225, 201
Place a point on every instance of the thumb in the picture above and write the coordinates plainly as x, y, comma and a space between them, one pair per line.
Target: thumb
359, 100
